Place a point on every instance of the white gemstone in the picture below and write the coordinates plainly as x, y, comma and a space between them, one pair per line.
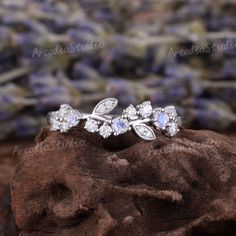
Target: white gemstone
64, 118
105, 106
64, 127
172, 129
53, 119
130, 111
141, 129
147, 134
161, 119
105, 130
144, 132
145, 109
65, 107
55, 124
170, 110
108, 104
120, 125
63, 110
91, 125
101, 108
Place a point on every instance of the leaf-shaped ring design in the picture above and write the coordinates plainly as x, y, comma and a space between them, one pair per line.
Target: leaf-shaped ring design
141, 119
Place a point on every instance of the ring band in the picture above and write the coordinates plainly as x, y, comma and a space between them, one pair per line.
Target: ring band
141, 119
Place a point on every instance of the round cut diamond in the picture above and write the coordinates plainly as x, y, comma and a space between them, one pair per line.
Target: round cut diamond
161, 120
55, 124
57, 121
145, 109
170, 110
64, 127
120, 125
130, 111
91, 125
65, 107
172, 129
63, 111
105, 130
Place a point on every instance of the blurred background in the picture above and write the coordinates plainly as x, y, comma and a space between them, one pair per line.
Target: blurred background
79, 51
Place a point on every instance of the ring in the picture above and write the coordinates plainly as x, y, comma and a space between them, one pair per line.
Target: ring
140, 119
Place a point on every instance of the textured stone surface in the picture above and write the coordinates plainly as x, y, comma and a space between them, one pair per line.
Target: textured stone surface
10, 152
80, 184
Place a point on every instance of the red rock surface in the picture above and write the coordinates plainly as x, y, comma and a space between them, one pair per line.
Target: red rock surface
10, 153
79, 184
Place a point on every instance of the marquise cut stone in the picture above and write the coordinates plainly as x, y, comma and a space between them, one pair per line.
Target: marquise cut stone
144, 132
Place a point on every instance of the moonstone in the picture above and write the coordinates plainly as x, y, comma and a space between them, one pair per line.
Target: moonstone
161, 120
120, 125
64, 118
72, 119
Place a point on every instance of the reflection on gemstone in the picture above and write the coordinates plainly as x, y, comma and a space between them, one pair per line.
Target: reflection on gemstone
105, 130
64, 118
120, 125
145, 109
170, 110
91, 125
161, 120
55, 125
130, 112
144, 132
64, 127
172, 129
72, 119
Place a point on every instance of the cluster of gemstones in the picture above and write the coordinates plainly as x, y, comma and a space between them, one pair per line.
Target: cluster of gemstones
64, 119
136, 118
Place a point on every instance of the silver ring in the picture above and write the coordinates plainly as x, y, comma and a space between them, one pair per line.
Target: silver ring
140, 119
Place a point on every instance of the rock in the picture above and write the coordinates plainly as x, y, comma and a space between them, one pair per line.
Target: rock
9, 158
78, 183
